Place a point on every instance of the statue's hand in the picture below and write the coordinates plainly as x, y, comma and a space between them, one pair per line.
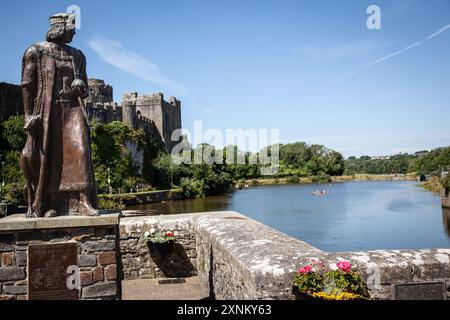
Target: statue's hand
80, 88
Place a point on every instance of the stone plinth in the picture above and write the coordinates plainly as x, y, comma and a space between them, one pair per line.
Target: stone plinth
96, 240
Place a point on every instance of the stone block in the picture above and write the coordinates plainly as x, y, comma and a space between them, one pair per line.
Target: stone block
87, 260
7, 259
111, 272
98, 246
5, 247
12, 273
100, 232
97, 274
106, 258
82, 232
58, 235
24, 237
21, 283
6, 297
6, 242
15, 290
21, 258
86, 278
99, 290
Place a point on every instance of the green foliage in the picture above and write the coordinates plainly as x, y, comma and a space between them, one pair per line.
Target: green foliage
293, 179
113, 161
105, 202
345, 281
432, 162
300, 159
309, 282
395, 164
192, 188
321, 178
12, 134
12, 141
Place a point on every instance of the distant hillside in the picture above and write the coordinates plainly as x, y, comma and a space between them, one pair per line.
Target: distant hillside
421, 162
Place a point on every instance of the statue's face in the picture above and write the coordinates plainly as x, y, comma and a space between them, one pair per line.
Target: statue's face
68, 35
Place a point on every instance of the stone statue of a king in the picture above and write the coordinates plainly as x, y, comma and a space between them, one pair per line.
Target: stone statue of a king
56, 159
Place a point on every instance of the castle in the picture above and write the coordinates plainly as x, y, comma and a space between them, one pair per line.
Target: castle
151, 113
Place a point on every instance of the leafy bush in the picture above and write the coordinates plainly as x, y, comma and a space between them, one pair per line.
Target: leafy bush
293, 179
107, 202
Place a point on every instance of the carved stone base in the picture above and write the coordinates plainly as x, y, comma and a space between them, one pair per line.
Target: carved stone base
68, 257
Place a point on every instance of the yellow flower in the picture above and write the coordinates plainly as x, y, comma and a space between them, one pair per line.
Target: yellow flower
337, 296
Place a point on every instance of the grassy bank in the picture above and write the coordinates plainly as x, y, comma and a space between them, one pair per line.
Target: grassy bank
433, 185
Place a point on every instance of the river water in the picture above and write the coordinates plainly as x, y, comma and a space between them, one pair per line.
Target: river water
351, 216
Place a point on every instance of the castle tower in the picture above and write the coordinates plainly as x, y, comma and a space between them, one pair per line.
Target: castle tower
99, 91
166, 116
129, 113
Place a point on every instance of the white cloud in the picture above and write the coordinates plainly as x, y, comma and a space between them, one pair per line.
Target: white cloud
114, 53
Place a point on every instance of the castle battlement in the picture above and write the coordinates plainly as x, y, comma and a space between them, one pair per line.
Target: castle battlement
149, 112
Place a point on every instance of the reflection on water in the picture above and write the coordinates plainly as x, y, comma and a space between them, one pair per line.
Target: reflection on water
352, 215
216, 203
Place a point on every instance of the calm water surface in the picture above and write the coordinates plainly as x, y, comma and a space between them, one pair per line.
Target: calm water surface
351, 216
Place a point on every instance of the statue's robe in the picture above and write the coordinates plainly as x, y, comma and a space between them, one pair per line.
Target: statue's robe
57, 154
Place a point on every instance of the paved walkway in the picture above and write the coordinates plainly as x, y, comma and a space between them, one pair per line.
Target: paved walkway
163, 289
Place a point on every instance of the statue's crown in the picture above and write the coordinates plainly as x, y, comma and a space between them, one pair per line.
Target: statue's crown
67, 18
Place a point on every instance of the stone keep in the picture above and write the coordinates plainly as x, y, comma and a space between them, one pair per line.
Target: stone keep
166, 115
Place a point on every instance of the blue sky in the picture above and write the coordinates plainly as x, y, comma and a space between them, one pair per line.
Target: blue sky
309, 68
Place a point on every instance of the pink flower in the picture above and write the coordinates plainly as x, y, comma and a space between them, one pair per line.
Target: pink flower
305, 269
344, 266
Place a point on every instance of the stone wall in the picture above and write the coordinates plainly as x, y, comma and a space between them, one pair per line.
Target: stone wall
142, 261
11, 102
98, 256
267, 265
239, 258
